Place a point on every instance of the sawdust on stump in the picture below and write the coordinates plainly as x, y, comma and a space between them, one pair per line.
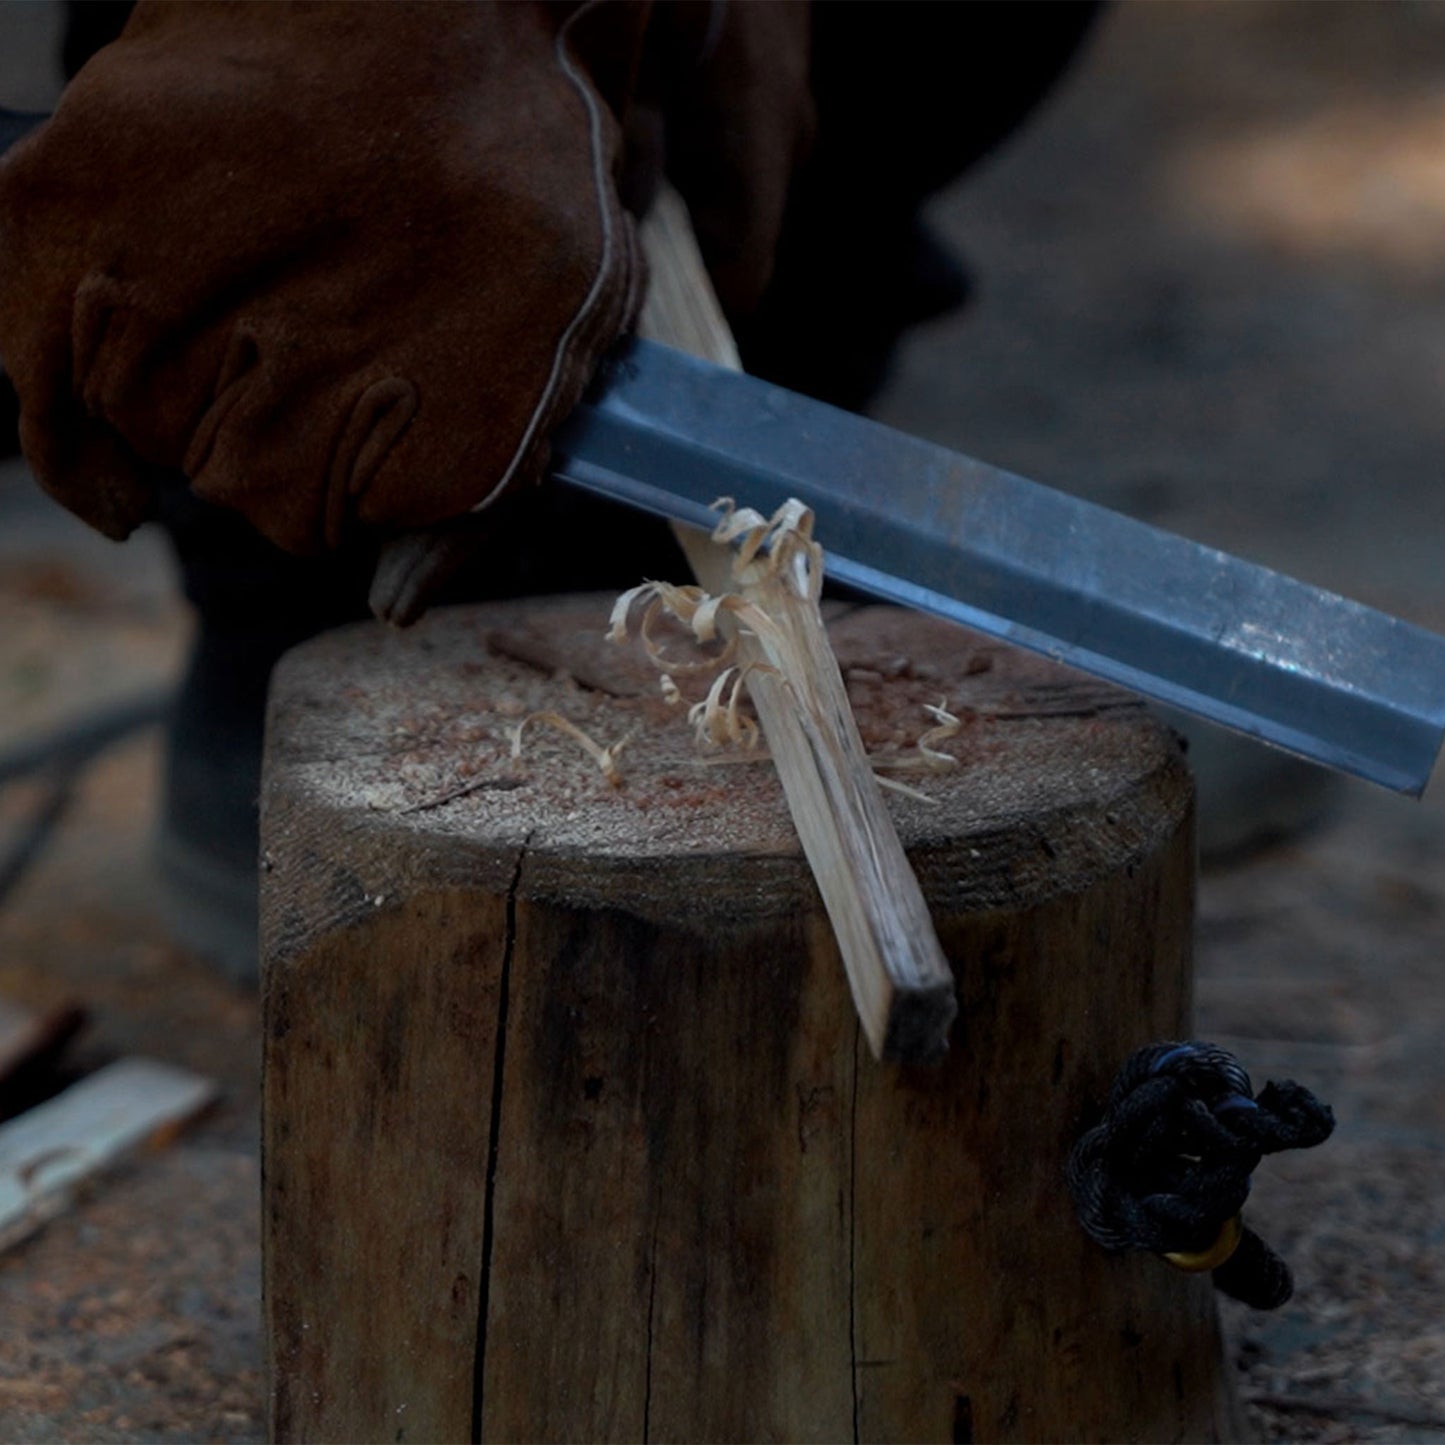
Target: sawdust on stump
418, 730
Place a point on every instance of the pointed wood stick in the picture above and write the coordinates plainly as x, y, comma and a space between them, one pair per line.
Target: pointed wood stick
902, 985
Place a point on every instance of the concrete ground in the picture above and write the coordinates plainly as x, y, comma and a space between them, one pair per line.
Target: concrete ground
1211, 292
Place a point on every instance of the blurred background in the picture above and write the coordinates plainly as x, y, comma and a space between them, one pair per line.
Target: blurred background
1209, 290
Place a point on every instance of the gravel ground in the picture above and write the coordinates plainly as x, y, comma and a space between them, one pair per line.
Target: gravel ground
1211, 291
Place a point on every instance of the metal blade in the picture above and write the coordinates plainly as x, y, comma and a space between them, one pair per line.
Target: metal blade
916, 524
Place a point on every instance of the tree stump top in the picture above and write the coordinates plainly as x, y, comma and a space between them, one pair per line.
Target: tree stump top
1058, 777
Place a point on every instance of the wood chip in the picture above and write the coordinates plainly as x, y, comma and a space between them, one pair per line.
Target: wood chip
49, 1153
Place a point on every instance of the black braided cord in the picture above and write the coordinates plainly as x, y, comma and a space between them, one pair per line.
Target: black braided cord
1169, 1164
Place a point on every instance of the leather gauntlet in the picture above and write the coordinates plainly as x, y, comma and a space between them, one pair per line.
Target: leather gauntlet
340, 264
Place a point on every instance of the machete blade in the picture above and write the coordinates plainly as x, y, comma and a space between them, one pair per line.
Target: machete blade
916, 524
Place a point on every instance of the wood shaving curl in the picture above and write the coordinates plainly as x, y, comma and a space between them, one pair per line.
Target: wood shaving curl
894, 786
689, 605
779, 546
719, 724
928, 756
604, 757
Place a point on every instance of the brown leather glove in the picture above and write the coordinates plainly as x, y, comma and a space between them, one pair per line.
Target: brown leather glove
338, 263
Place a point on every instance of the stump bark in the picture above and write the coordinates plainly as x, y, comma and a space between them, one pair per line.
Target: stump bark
569, 1131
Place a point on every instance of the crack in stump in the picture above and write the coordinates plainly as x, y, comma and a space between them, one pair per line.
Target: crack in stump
494, 1133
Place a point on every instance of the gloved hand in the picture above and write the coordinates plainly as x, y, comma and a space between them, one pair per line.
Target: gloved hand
723, 106
339, 264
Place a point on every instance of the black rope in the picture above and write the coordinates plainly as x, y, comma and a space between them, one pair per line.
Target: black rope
1168, 1166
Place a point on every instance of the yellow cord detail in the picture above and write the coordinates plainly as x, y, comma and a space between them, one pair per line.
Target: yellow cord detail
1230, 1233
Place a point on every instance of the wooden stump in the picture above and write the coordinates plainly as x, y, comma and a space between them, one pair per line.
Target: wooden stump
569, 1130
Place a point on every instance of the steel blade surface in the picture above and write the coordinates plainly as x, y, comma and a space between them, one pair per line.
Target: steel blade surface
914, 523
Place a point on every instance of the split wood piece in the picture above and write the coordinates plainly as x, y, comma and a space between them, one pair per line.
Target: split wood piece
49, 1153
901, 983
570, 1132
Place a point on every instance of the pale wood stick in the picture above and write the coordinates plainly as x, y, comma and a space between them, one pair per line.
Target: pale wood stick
901, 983
49, 1153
